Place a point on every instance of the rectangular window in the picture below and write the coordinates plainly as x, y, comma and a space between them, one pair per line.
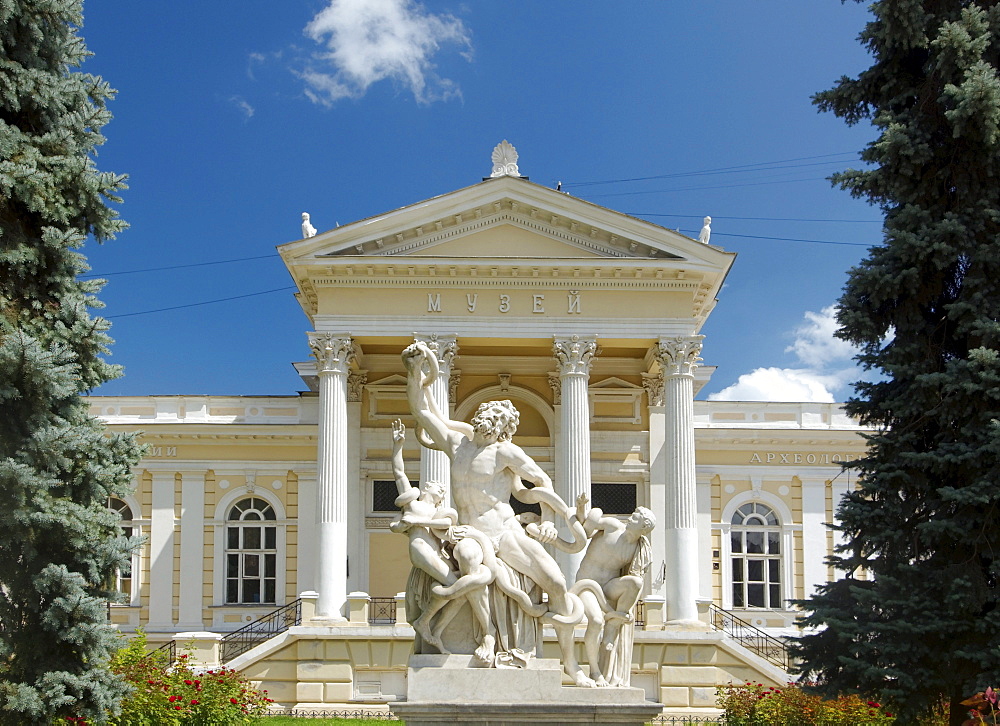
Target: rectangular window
613, 498
384, 495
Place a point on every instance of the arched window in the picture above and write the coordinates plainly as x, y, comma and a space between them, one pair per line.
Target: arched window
756, 557
123, 577
251, 552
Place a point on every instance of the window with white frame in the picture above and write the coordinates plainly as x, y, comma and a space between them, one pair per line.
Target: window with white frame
755, 543
123, 576
251, 553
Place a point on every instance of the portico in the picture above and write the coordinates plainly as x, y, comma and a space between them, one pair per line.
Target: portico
570, 310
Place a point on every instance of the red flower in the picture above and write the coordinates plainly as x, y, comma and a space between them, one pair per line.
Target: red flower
194, 703
187, 683
173, 698
177, 708
233, 700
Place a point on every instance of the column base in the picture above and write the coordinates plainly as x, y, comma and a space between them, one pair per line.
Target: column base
689, 625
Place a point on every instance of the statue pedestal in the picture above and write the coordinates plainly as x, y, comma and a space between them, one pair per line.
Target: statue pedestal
445, 690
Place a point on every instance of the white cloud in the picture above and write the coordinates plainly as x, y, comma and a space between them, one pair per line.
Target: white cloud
243, 105
814, 343
366, 41
824, 367
777, 384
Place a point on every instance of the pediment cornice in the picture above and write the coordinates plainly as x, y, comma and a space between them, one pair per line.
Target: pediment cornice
581, 225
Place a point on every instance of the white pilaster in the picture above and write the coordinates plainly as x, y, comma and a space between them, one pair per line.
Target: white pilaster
657, 480
678, 357
435, 465
333, 355
839, 487
161, 553
308, 543
574, 356
189, 615
357, 569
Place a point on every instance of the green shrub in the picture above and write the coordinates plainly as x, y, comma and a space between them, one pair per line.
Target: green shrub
753, 704
173, 695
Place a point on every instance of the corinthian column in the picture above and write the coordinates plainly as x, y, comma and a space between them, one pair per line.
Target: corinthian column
678, 357
333, 355
435, 465
574, 356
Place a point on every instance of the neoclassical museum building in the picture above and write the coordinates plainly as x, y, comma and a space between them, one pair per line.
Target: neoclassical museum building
587, 320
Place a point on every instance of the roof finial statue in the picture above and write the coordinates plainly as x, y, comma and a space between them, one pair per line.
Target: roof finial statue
307, 229
706, 231
504, 160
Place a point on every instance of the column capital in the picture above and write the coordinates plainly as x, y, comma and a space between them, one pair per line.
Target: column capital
574, 354
445, 347
356, 385
333, 353
556, 385
653, 383
679, 356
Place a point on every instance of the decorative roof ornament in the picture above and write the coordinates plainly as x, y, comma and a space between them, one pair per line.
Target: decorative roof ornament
307, 229
504, 160
706, 231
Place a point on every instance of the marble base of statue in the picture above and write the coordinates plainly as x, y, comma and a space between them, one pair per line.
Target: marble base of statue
450, 690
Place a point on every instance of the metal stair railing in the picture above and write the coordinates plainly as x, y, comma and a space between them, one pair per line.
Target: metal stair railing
253, 634
771, 649
167, 650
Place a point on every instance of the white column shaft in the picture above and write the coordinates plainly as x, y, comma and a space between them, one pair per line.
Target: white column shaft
575, 356
678, 357
331, 574
681, 525
333, 355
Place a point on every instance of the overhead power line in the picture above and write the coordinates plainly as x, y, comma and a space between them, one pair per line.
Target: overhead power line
203, 302
179, 267
756, 219
793, 239
691, 189
759, 166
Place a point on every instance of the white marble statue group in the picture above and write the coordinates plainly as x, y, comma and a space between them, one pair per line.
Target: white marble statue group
480, 571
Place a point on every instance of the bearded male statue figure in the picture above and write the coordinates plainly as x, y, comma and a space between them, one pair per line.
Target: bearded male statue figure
502, 566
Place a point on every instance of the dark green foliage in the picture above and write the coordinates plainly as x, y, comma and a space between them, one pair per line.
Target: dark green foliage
916, 615
59, 545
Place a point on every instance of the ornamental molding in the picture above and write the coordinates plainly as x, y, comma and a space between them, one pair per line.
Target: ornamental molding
504, 158
333, 353
574, 354
356, 385
555, 383
453, 380
679, 356
653, 383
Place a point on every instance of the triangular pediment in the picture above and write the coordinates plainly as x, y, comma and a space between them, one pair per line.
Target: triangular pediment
502, 218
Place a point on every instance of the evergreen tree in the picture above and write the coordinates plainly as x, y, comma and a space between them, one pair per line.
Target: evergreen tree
916, 614
59, 544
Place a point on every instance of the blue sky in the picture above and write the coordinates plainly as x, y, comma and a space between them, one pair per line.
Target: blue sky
232, 119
